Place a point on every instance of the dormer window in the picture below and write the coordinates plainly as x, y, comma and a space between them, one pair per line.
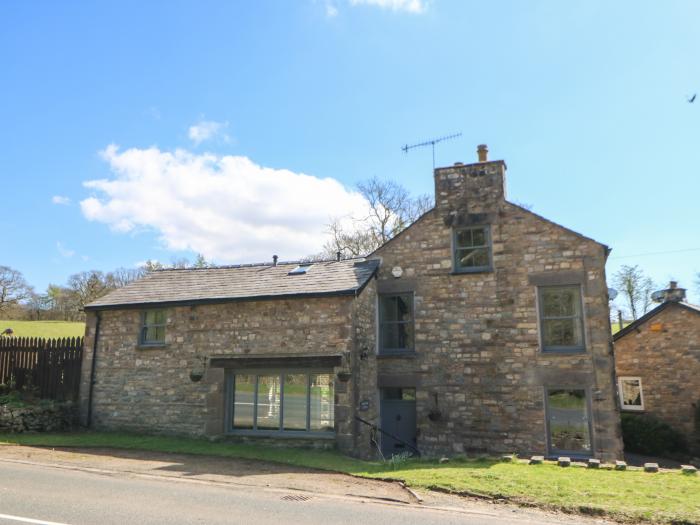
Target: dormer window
472, 249
300, 270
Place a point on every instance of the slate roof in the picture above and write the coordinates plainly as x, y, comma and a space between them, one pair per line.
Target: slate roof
244, 282
651, 313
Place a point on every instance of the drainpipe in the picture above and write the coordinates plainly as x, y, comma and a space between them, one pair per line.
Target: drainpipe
92, 369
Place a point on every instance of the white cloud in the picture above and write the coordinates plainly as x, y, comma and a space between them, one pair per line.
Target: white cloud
225, 207
410, 6
65, 252
331, 10
60, 199
207, 130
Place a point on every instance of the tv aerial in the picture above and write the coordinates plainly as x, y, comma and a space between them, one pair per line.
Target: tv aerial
430, 143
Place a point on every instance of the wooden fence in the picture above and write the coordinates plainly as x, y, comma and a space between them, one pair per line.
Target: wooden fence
50, 366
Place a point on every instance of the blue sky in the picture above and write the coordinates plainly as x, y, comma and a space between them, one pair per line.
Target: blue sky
164, 102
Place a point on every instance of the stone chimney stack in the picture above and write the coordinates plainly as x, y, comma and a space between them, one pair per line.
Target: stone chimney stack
482, 150
468, 189
673, 293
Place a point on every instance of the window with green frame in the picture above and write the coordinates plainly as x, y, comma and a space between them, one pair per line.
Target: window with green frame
561, 318
396, 323
472, 249
153, 327
282, 402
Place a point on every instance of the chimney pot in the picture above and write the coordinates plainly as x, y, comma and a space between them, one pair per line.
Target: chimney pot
337, 256
274, 260
673, 293
482, 151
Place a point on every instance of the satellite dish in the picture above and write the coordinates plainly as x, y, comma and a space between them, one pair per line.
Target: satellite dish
612, 293
659, 296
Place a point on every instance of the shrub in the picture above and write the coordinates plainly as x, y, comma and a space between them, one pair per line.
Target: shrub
647, 435
13, 399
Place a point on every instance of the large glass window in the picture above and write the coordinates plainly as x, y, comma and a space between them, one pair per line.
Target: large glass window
289, 401
396, 323
269, 401
296, 387
153, 327
561, 318
321, 403
244, 402
567, 420
631, 397
472, 249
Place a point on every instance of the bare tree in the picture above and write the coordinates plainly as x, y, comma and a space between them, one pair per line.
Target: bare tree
636, 289
123, 276
13, 288
390, 210
87, 286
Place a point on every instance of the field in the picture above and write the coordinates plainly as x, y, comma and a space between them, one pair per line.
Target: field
46, 329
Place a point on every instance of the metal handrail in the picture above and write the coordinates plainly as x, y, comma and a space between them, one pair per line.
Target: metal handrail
392, 436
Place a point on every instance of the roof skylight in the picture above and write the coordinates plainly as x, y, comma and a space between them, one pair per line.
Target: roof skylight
300, 270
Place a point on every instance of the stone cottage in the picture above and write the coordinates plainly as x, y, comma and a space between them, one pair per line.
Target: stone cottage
481, 328
657, 360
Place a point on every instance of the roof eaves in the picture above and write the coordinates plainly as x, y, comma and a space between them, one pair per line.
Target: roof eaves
636, 324
577, 234
402, 231
219, 300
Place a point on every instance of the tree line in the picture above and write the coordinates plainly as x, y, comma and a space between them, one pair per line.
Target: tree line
19, 300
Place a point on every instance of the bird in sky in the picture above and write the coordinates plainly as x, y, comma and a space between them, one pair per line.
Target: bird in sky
692, 99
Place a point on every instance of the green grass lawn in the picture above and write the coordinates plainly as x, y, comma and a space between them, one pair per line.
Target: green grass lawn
633, 495
615, 325
47, 329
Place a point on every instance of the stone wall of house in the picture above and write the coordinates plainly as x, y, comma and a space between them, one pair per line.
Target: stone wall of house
366, 398
149, 389
665, 352
477, 358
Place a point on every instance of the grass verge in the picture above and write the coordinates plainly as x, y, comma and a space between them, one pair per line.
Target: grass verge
666, 497
46, 329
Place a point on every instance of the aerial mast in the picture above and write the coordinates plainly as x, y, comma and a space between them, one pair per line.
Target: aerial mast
430, 143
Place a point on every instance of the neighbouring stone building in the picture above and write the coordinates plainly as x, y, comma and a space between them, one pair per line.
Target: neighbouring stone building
481, 328
657, 360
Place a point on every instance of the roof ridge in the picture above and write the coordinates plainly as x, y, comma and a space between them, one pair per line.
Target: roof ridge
257, 265
652, 313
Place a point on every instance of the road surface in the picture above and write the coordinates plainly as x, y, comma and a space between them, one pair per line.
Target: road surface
62, 494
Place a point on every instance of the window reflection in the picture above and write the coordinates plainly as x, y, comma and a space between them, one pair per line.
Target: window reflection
283, 402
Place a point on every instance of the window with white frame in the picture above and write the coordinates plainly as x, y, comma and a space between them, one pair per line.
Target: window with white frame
631, 395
